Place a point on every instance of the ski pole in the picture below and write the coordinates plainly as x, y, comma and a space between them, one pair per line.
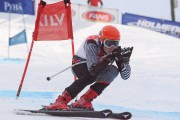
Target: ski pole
49, 78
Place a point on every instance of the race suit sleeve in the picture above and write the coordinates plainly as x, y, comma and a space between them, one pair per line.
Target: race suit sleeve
91, 50
125, 69
94, 64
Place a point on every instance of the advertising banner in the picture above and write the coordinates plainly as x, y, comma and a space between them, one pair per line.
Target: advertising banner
95, 14
17, 6
163, 26
51, 24
75, 11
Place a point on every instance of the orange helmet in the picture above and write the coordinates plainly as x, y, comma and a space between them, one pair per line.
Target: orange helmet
109, 32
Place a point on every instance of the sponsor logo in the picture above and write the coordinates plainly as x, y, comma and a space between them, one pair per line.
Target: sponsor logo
125, 116
106, 114
52, 20
13, 7
98, 16
164, 28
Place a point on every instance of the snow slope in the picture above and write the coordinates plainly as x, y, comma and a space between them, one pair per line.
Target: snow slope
152, 92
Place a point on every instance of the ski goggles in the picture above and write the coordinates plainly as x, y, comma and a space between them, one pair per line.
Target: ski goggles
108, 43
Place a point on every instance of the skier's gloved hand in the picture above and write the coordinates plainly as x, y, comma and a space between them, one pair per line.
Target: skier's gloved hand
115, 54
126, 54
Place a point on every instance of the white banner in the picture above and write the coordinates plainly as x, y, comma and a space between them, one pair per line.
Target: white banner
75, 11
95, 14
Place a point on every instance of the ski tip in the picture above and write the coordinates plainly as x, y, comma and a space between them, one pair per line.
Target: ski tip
123, 115
127, 115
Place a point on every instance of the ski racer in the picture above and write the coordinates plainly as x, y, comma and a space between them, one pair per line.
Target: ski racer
99, 52
95, 3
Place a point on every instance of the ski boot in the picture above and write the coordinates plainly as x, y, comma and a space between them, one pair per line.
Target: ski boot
85, 100
60, 103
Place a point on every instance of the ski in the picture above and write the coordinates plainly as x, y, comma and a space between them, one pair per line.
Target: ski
84, 113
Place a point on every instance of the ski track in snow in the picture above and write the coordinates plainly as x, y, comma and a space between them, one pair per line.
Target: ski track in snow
34, 100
